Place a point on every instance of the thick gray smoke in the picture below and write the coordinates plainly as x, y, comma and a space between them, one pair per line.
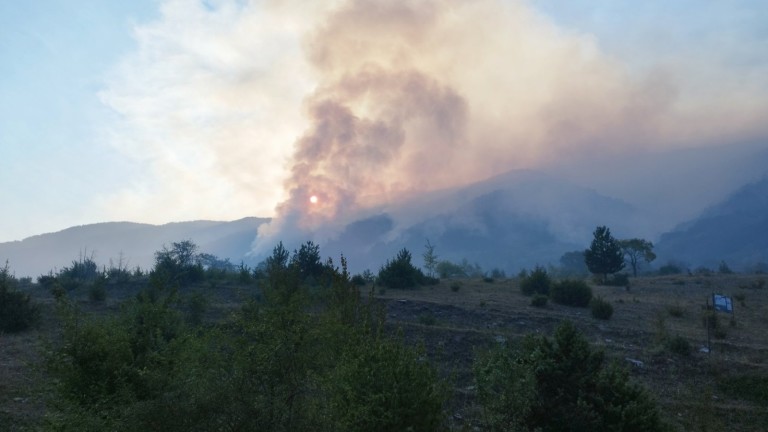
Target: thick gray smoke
415, 97
231, 107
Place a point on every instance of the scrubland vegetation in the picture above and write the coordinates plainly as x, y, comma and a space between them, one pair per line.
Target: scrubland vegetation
297, 343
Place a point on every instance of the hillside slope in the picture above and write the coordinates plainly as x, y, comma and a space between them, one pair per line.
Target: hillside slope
735, 230
134, 243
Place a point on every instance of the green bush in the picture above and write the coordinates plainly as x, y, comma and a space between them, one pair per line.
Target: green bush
281, 363
601, 309
358, 280
427, 318
17, 311
447, 269
749, 386
676, 311
537, 282
679, 345
399, 273
97, 291
571, 293
382, 385
560, 384
196, 306
539, 300
670, 269
619, 280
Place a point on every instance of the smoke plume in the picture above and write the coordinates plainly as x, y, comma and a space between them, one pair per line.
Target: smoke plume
257, 106
419, 96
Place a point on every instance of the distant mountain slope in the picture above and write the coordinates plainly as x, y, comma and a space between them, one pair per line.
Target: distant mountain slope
512, 221
736, 230
134, 242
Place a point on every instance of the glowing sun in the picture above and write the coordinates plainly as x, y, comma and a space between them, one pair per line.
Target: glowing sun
313, 199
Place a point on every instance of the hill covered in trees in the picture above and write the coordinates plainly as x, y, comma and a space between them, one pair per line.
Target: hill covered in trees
735, 231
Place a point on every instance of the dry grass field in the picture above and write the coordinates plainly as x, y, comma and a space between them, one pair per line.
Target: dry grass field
725, 389
722, 390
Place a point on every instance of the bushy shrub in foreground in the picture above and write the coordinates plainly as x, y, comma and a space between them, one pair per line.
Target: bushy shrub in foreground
560, 384
281, 364
17, 311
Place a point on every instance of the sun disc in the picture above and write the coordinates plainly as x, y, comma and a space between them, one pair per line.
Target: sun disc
313, 199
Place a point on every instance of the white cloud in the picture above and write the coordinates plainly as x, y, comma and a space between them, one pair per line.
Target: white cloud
210, 103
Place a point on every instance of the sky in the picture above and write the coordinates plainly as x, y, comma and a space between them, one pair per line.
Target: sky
167, 110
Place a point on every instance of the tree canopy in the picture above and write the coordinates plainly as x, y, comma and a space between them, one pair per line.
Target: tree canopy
604, 255
636, 250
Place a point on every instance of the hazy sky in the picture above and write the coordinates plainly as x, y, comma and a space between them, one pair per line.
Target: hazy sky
157, 111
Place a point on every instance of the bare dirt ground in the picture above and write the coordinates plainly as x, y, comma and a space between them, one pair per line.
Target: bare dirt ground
453, 324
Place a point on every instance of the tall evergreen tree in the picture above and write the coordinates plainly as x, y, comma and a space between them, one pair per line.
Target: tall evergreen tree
604, 255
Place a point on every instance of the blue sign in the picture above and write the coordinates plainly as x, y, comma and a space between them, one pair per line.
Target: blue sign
722, 303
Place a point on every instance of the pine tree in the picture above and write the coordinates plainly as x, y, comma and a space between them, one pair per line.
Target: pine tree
604, 255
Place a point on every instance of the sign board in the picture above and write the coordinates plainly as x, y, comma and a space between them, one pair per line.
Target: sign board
722, 303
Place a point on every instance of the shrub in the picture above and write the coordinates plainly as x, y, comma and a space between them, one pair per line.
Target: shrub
488, 279
197, 304
537, 281
447, 269
455, 286
427, 318
539, 300
670, 269
560, 384
17, 311
178, 265
750, 386
676, 311
429, 280
723, 268
601, 309
97, 292
679, 345
571, 293
497, 273
383, 385
358, 280
619, 279
400, 273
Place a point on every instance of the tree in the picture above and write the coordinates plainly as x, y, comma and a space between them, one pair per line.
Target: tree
179, 264
635, 250
278, 260
430, 259
307, 261
604, 255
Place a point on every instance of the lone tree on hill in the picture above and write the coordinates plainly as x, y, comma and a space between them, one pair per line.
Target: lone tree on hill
430, 259
604, 255
635, 250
